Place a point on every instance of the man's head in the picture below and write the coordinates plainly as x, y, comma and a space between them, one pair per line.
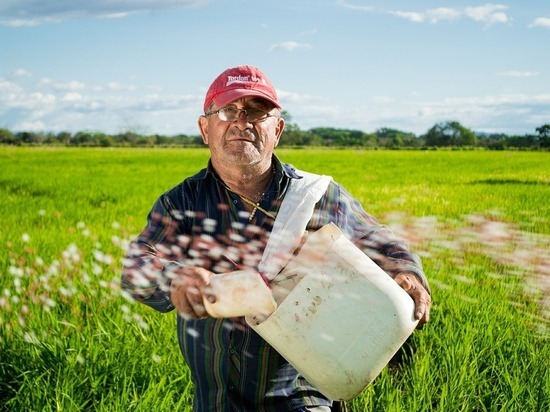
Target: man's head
237, 82
242, 123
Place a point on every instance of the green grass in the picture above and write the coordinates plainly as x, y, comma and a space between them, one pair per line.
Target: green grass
69, 341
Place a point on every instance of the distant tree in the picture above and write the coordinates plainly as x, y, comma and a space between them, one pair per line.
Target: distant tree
84, 138
450, 133
330, 136
294, 136
393, 138
544, 130
127, 138
493, 141
544, 135
528, 141
7, 137
286, 115
30, 137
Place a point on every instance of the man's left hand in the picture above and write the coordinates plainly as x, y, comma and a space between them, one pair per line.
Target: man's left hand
422, 299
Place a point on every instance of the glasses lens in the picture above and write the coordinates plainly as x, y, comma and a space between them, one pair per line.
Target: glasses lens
255, 115
228, 114
231, 114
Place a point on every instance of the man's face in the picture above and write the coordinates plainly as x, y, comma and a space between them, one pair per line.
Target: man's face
241, 142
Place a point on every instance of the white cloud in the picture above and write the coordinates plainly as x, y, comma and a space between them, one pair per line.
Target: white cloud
498, 100
72, 97
415, 17
355, 7
114, 16
52, 105
21, 73
442, 13
120, 87
18, 13
511, 113
72, 85
541, 22
27, 22
431, 16
297, 98
507, 113
32, 126
44, 107
289, 46
382, 99
36, 100
517, 73
9, 90
488, 14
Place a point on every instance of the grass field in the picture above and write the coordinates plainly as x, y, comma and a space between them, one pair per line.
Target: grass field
69, 341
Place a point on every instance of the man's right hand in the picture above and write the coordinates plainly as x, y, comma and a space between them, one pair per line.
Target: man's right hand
188, 287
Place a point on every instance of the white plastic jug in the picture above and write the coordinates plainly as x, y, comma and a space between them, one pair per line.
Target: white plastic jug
340, 317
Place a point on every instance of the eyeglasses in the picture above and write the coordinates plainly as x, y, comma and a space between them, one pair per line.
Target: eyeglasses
232, 114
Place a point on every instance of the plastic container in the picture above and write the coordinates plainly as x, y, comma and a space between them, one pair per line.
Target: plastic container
240, 293
340, 317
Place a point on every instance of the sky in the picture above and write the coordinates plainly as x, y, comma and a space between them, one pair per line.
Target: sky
145, 65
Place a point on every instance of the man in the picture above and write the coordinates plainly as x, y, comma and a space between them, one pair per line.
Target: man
219, 220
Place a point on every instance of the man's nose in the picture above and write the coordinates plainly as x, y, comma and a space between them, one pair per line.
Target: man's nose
242, 118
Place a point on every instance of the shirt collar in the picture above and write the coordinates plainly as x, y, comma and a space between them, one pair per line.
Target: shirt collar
280, 168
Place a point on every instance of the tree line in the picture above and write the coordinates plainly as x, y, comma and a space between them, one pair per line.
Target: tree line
443, 134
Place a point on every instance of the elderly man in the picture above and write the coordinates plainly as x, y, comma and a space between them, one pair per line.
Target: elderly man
220, 220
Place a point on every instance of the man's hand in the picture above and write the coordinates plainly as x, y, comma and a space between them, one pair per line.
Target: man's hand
188, 287
422, 299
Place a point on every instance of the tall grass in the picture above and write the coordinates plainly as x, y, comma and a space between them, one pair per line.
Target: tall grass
70, 341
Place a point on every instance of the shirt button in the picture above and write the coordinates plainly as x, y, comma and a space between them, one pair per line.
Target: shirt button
231, 388
232, 351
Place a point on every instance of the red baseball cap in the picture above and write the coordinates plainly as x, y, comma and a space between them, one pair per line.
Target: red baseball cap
238, 82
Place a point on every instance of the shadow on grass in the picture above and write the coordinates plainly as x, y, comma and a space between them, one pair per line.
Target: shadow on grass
510, 182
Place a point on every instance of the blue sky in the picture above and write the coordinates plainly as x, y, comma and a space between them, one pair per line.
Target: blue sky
144, 65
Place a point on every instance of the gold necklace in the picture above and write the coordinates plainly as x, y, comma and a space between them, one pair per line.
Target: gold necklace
256, 206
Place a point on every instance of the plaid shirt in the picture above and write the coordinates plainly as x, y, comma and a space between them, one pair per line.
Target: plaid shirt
201, 223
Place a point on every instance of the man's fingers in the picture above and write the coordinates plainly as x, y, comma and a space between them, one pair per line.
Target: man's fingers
180, 301
187, 291
194, 297
422, 311
404, 282
422, 300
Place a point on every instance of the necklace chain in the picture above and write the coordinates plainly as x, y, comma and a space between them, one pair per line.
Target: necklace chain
256, 205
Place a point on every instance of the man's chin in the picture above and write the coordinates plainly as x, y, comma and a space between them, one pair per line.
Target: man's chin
243, 159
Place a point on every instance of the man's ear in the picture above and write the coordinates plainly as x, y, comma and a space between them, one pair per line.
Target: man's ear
279, 129
203, 127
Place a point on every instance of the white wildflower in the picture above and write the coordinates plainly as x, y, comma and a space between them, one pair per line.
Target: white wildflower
15, 271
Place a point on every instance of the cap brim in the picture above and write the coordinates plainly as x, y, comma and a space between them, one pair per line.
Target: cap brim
229, 96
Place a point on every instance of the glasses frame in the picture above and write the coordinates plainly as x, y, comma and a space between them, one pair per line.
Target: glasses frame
239, 111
